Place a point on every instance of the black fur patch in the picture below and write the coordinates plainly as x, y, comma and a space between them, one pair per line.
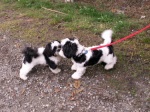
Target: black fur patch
71, 39
69, 49
103, 63
79, 59
50, 62
110, 49
57, 41
96, 55
29, 53
49, 51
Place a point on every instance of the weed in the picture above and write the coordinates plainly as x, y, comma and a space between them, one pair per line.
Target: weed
10, 24
145, 40
121, 25
35, 3
79, 24
98, 16
9, 1
133, 91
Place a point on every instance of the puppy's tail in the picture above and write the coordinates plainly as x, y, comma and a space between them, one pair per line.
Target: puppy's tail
107, 36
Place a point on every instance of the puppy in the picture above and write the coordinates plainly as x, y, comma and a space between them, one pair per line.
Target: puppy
48, 55
82, 57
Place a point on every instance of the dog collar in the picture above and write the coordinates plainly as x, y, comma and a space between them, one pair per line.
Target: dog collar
83, 52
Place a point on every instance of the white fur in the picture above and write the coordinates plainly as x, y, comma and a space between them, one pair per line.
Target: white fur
109, 59
106, 35
57, 70
62, 54
41, 50
27, 67
56, 59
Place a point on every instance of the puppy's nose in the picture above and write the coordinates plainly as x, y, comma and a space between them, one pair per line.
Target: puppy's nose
58, 49
59, 46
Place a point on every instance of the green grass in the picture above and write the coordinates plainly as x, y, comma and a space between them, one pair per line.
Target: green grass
145, 40
78, 16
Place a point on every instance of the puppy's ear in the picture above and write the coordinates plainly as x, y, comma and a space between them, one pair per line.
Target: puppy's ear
49, 51
69, 49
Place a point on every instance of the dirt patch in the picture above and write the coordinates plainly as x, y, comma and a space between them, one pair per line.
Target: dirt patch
133, 9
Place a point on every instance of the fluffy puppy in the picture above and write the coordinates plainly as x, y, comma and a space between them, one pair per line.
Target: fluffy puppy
82, 57
48, 55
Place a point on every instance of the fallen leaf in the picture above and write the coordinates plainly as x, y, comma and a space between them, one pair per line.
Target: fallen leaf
73, 93
72, 98
57, 90
22, 92
76, 92
77, 84
80, 90
17, 45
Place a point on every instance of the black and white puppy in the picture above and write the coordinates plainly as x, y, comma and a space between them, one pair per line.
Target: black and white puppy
82, 57
48, 55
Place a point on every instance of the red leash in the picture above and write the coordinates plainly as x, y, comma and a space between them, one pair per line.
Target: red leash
122, 39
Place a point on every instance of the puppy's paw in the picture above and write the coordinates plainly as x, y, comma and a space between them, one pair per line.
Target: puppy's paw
76, 76
23, 77
73, 67
109, 66
55, 71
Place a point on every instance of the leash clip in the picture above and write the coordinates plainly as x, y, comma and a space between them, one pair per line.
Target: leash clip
85, 51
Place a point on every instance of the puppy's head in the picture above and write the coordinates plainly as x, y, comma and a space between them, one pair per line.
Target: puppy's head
69, 47
52, 48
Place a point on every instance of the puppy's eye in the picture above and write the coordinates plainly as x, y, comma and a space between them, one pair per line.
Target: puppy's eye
59, 46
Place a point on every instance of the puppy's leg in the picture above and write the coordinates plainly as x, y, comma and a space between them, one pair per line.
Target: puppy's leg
26, 68
74, 67
80, 71
52, 65
110, 64
55, 71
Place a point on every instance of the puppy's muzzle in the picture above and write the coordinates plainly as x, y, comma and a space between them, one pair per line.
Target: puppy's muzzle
59, 48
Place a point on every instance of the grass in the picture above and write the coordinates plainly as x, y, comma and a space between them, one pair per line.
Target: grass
14, 24
145, 40
78, 16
